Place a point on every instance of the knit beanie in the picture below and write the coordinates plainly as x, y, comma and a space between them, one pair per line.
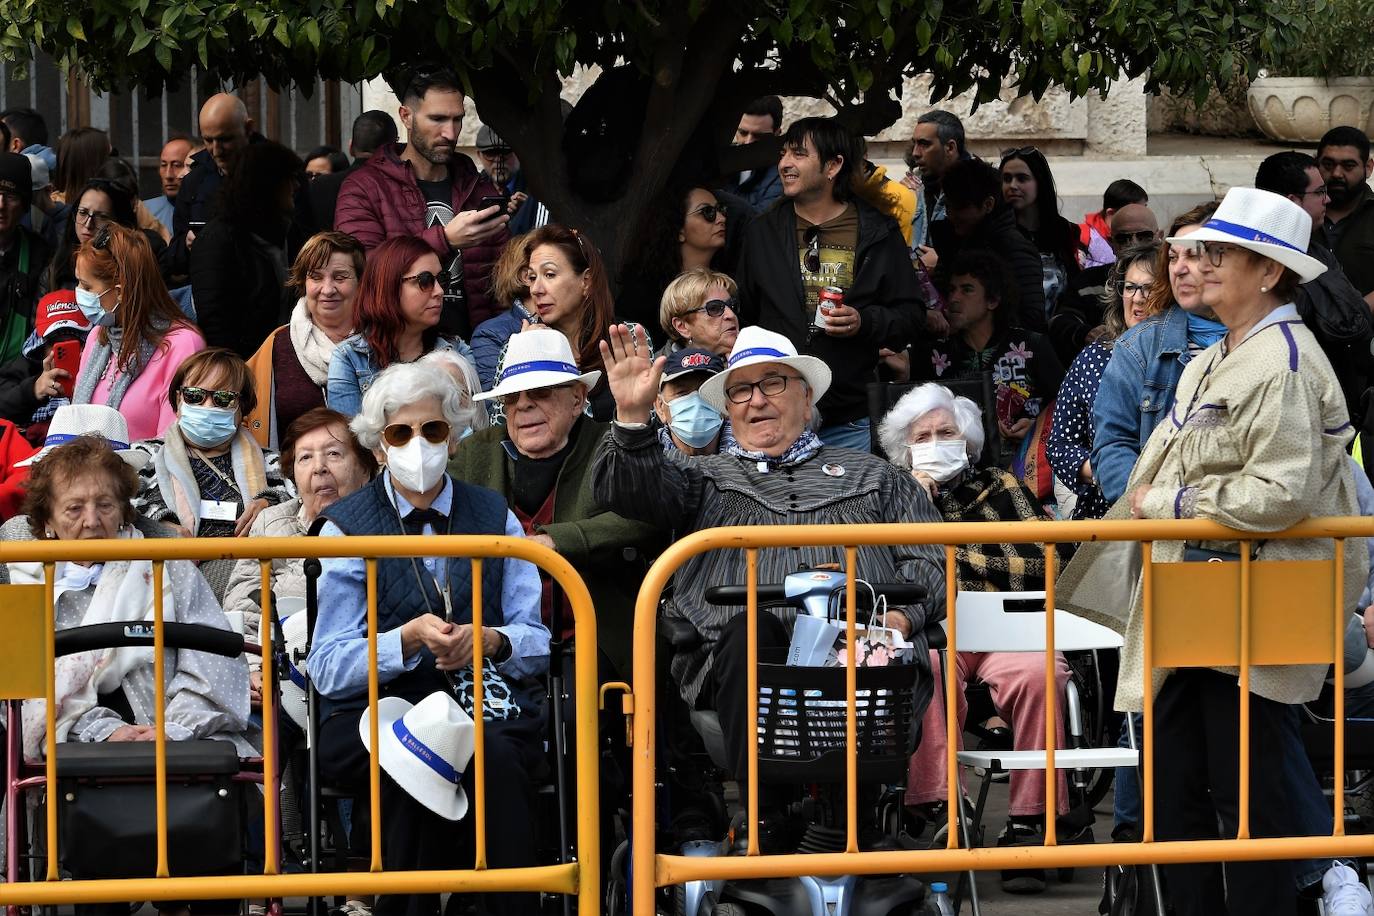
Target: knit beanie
16, 177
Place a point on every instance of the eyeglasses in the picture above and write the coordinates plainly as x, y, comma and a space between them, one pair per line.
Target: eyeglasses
219, 397
770, 385
1131, 290
426, 279
537, 395
1215, 251
716, 307
709, 212
435, 432
92, 217
341, 277
1139, 237
812, 259
1320, 192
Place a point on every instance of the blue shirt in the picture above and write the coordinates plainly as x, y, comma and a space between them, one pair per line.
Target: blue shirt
338, 653
162, 207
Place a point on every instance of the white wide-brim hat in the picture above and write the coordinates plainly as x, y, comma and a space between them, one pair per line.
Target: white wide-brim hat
537, 358
1265, 223
755, 345
295, 634
425, 748
73, 420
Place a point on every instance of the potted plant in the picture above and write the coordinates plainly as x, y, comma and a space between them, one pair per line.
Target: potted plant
1320, 76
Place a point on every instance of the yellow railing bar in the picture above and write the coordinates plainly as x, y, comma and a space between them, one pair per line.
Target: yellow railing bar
160, 719
374, 766
1051, 707
50, 743
269, 727
479, 746
1145, 746
752, 686
1246, 625
851, 712
952, 806
1338, 714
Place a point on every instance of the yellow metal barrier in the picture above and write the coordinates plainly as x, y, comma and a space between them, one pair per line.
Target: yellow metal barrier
1250, 609
20, 680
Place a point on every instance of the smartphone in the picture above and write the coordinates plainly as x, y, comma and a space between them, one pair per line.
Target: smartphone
66, 355
502, 202
195, 225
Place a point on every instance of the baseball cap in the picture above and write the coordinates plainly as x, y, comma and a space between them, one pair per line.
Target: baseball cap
58, 310
487, 139
16, 176
689, 360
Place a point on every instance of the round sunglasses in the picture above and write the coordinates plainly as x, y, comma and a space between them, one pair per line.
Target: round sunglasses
709, 212
434, 432
219, 397
426, 279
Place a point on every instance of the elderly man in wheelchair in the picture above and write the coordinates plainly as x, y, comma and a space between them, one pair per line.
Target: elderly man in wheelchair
938, 439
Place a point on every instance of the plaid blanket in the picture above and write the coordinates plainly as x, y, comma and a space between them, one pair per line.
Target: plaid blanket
995, 495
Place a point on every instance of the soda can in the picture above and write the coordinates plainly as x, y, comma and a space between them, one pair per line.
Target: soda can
828, 298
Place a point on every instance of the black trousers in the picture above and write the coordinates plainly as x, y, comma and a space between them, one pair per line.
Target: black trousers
415, 838
1197, 773
727, 690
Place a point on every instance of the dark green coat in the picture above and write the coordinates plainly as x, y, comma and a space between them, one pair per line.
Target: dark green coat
610, 552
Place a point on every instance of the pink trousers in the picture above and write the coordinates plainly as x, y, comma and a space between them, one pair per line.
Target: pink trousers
1017, 682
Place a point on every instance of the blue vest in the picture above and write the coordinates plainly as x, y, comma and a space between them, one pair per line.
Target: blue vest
402, 595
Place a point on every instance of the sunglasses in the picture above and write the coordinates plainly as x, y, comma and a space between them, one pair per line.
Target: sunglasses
709, 212
435, 432
716, 307
534, 394
1020, 152
426, 279
812, 259
1139, 237
219, 397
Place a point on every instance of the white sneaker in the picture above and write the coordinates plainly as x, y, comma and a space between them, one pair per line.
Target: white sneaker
1343, 894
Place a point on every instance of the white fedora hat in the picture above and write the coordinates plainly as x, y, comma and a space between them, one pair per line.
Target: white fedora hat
1265, 223
295, 633
755, 345
537, 358
73, 420
425, 748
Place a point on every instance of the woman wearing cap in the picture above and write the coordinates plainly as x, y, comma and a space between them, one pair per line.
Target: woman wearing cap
1256, 441
700, 308
82, 490
776, 473
291, 368
412, 418
141, 337
687, 424
400, 301
540, 460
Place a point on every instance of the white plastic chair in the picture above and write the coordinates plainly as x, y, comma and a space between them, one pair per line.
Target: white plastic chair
1015, 622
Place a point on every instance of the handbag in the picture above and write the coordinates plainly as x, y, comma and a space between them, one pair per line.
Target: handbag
498, 700
1194, 554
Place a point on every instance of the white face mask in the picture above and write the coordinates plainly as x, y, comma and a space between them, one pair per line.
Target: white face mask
418, 465
942, 459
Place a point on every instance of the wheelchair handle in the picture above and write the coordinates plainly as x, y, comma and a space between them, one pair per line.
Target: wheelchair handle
733, 595
194, 636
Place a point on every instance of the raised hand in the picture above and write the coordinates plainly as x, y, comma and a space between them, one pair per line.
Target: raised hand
631, 372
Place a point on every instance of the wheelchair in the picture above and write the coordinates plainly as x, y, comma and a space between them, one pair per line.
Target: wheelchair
106, 792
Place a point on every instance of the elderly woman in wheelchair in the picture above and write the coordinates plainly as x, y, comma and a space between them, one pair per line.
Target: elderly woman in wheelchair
939, 438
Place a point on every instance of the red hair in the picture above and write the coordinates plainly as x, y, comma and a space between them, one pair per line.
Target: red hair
379, 297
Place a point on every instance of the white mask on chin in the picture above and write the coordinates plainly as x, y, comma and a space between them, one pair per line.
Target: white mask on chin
418, 465
942, 459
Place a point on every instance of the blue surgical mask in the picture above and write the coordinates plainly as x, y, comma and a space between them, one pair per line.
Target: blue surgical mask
694, 421
207, 427
89, 303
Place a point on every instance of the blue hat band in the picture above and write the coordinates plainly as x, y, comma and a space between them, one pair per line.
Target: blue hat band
425, 754
537, 365
759, 351
1245, 233
63, 438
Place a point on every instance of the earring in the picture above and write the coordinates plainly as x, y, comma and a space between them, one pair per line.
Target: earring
1264, 289
47, 533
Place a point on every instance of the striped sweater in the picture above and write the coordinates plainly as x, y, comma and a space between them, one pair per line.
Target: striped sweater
634, 478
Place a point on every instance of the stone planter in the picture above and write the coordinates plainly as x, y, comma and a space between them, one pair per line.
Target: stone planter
1300, 109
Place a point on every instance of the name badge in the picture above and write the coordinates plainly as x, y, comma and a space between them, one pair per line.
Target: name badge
218, 510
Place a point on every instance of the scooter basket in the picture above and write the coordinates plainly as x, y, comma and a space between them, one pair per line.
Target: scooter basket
802, 721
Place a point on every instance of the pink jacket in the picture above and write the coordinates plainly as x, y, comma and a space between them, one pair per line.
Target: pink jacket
146, 407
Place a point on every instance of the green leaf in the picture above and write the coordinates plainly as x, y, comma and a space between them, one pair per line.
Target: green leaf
140, 41
164, 57
281, 32
1085, 65
312, 33
74, 28
889, 38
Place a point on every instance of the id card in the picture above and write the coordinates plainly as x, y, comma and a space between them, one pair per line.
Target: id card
218, 510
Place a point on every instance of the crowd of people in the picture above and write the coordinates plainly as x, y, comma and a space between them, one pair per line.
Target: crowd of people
401, 341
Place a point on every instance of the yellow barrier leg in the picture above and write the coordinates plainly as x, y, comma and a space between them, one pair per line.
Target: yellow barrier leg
851, 688
479, 745
752, 687
271, 841
952, 806
160, 719
374, 767
1147, 734
1052, 706
50, 743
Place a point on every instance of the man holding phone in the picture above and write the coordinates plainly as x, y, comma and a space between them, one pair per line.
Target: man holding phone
426, 188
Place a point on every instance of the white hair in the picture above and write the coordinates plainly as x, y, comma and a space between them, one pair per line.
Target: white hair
471, 383
918, 402
406, 383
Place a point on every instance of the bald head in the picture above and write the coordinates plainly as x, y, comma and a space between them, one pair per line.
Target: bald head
224, 125
1133, 224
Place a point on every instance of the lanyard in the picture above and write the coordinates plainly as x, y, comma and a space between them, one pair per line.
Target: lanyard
216, 471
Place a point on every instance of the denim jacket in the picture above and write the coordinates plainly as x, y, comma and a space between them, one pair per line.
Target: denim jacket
352, 371
1136, 393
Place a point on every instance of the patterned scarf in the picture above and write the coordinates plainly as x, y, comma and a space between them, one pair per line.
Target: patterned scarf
313, 346
807, 444
124, 376
994, 495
